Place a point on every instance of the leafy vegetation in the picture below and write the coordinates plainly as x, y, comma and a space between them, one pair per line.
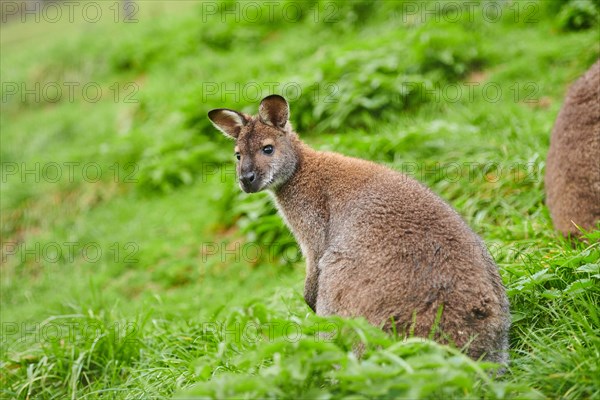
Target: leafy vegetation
133, 267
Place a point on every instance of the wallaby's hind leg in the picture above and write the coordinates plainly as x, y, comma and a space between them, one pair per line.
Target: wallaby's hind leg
478, 321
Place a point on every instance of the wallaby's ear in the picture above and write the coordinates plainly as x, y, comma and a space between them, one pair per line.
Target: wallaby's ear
227, 121
274, 111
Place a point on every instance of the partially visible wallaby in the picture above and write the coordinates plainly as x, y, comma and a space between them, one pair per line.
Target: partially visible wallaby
377, 243
573, 164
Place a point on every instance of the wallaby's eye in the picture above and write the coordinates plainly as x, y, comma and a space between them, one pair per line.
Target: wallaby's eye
268, 149
237, 155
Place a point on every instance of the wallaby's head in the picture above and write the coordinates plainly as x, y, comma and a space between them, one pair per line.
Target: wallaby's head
264, 144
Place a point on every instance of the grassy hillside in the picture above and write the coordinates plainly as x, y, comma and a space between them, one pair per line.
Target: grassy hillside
132, 266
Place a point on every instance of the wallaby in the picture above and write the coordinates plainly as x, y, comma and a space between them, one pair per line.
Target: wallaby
377, 243
573, 164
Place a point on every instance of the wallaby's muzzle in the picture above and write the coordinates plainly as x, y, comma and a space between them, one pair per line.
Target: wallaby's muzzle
248, 182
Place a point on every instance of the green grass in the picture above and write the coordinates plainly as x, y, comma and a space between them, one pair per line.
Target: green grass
159, 279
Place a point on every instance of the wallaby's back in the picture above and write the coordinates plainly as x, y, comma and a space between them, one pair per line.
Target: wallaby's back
573, 164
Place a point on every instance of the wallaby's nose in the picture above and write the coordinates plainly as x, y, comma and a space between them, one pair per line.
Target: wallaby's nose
248, 177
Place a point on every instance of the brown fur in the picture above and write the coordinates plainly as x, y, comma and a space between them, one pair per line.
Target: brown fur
573, 164
377, 243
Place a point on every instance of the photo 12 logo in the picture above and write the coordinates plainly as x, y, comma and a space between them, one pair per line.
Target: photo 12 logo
251, 252
55, 92
270, 11
469, 92
493, 11
251, 92
69, 11
70, 252
67, 330
255, 332
68, 171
